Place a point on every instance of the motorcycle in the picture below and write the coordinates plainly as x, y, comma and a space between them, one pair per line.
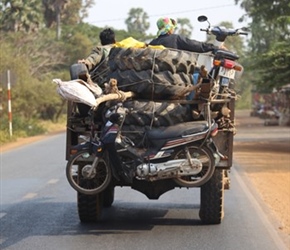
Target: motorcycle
221, 65
184, 153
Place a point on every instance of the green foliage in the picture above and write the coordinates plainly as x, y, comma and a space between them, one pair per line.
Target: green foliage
20, 128
184, 27
137, 21
21, 15
269, 43
273, 67
245, 99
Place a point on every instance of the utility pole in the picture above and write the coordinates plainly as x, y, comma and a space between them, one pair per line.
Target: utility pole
1, 100
9, 103
59, 5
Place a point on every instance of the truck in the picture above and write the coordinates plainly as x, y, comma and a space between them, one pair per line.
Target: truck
161, 80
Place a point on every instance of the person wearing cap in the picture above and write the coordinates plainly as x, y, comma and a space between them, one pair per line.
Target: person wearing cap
165, 37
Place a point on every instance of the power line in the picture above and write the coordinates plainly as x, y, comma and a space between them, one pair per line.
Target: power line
172, 13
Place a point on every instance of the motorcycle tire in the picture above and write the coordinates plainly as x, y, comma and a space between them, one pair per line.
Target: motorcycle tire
158, 60
205, 157
78, 167
212, 199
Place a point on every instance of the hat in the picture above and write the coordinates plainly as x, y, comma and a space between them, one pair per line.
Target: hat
165, 24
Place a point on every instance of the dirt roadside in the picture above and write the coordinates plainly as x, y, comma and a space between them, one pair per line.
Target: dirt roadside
263, 152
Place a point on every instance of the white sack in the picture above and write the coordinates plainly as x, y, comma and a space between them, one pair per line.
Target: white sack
76, 91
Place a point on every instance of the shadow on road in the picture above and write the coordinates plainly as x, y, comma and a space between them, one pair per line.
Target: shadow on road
43, 218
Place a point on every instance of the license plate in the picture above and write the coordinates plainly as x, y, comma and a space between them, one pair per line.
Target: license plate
230, 73
224, 81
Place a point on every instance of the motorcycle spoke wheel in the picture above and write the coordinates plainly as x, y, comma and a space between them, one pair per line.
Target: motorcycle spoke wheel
206, 158
85, 179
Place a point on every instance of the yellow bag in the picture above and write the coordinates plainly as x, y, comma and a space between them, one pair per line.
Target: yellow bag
131, 42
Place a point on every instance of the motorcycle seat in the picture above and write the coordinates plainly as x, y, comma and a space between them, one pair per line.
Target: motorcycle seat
220, 54
178, 130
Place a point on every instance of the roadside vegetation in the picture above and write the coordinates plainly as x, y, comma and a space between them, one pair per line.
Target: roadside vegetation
39, 40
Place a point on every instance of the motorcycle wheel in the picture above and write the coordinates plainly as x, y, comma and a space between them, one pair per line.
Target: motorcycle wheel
205, 156
77, 173
212, 199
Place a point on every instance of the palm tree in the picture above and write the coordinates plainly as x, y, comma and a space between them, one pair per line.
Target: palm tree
21, 15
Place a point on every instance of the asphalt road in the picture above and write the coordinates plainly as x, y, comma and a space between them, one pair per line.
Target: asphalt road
38, 210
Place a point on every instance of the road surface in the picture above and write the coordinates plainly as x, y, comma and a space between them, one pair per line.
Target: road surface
39, 211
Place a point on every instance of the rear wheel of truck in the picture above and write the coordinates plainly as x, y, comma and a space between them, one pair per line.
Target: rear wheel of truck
89, 207
212, 199
108, 196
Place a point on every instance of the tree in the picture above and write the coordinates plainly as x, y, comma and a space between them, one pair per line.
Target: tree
184, 27
137, 21
21, 15
69, 12
269, 51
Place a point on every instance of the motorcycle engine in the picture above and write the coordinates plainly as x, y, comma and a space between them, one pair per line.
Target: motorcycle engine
146, 169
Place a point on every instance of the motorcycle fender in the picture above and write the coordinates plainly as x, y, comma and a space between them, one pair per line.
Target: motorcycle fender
217, 156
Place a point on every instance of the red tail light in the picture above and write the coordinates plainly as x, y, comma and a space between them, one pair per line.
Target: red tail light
228, 64
214, 132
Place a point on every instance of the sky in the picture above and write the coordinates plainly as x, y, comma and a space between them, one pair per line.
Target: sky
113, 13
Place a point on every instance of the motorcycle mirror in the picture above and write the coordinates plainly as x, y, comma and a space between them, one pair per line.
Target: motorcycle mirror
202, 18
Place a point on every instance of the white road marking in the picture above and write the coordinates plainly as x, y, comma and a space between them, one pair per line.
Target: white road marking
30, 196
2, 215
52, 181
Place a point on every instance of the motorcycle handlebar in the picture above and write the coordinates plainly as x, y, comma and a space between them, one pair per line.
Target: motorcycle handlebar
243, 33
223, 31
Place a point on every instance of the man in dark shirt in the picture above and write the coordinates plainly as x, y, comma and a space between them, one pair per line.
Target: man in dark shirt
166, 38
96, 62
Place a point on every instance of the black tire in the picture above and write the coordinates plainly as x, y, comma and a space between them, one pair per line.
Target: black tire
135, 134
77, 173
203, 157
212, 199
131, 58
108, 196
147, 85
157, 60
156, 113
89, 207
